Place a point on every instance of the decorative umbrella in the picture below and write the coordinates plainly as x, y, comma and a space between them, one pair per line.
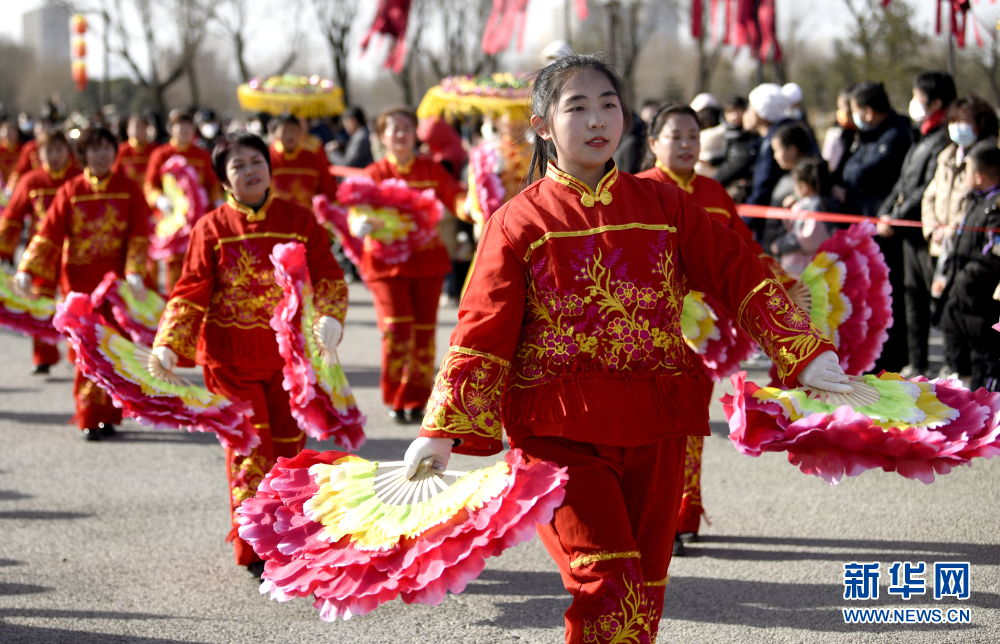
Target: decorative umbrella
916, 427
466, 95
355, 534
190, 203
320, 397
139, 318
32, 317
164, 400
406, 219
303, 96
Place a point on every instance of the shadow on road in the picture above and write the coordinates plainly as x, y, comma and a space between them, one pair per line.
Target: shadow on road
16, 390
22, 589
164, 436
18, 633
9, 562
868, 549
42, 515
513, 582
12, 495
360, 377
35, 419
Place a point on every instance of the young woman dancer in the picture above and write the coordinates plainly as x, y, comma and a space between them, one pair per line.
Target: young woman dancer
569, 335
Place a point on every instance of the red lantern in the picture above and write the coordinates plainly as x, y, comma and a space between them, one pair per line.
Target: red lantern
79, 48
80, 74
79, 24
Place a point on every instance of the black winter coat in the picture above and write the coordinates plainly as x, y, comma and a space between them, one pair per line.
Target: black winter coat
875, 165
917, 173
973, 268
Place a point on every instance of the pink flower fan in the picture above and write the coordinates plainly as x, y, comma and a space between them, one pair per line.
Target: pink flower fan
319, 395
32, 317
917, 428
119, 367
330, 526
404, 219
334, 218
851, 296
486, 190
137, 317
190, 203
714, 336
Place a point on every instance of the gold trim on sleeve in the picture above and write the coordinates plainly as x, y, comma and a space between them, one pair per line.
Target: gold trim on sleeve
136, 255
41, 259
656, 584
586, 560
753, 292
480, 354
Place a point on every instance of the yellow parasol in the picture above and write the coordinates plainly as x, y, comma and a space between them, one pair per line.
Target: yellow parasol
303, 96
466, 95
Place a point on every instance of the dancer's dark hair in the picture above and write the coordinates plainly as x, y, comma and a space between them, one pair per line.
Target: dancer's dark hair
658, 123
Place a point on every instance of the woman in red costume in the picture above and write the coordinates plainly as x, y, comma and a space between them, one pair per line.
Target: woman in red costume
406, 295
10, 148
569, 336
97, 223
674, 145
134, 154
181, 143
220, 311
298, 173
31, 199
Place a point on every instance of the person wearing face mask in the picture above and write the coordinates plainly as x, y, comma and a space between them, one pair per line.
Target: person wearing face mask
182, 136
31, 199
219, 314
905, 248
838, 142
98, 222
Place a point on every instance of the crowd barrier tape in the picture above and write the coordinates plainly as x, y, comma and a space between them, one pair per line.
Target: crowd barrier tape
770, 212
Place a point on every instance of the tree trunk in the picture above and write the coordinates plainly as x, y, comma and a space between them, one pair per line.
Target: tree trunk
193, 84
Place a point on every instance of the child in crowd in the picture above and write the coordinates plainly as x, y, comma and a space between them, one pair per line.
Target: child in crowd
804, 234
970, 273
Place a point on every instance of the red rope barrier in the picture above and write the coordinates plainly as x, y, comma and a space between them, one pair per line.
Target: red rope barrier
769, 212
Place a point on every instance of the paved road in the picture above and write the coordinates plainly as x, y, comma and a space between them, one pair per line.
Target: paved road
122, 541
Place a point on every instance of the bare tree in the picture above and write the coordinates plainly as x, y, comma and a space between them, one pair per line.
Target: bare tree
336, 17
406, 78
461, 23
989, 60
233, 22
629, 24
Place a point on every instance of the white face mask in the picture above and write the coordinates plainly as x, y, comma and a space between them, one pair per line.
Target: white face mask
918, 111
209, 130
962, 134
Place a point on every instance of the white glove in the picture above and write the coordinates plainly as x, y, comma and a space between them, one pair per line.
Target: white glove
22, 282
330, 332
824, 373
361, 227
164, 205
137, 285
423, 447
166, 356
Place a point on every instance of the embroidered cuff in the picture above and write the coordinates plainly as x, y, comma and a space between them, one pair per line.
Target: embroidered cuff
465, 403
10, 236
136, 255
180, 327
330, 298
782, 329
41, 259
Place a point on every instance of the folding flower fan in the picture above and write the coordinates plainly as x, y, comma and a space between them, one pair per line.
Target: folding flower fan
137, 317
355, 534
162, 400
916, 427
319, 395
486, 191
334, 218
714, 335
190, 202
32, 317
406, 219
851, 296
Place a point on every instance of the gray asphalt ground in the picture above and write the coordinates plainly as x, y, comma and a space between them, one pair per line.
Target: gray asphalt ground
122, 540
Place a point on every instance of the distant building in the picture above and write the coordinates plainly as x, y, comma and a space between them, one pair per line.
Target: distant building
46, 34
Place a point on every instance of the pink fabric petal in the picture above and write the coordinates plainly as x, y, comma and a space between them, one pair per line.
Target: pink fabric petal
723, 356
109, 291
186, 177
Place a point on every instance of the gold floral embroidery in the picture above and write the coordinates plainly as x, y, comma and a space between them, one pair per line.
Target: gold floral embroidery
41, 259
782, 329
330, 297
611, 322
420, 372
246, 474
630, 622
398, 347
586, 560
136, 255
10, 236
692, 471
246, 293
180, 327
467, 394
96, 235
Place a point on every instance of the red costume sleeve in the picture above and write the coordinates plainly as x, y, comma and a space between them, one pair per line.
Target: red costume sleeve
42, 257
465, 403
743, 283
189, 301
152, 187
137, 253
329, 288
12, 222
449, 191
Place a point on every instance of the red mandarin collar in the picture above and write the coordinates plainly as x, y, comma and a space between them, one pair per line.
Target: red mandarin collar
588, 197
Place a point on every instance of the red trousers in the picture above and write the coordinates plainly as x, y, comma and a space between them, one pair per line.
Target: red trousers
613, 536
691, 508
44, 353
93, 404
406, 308
279, 436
